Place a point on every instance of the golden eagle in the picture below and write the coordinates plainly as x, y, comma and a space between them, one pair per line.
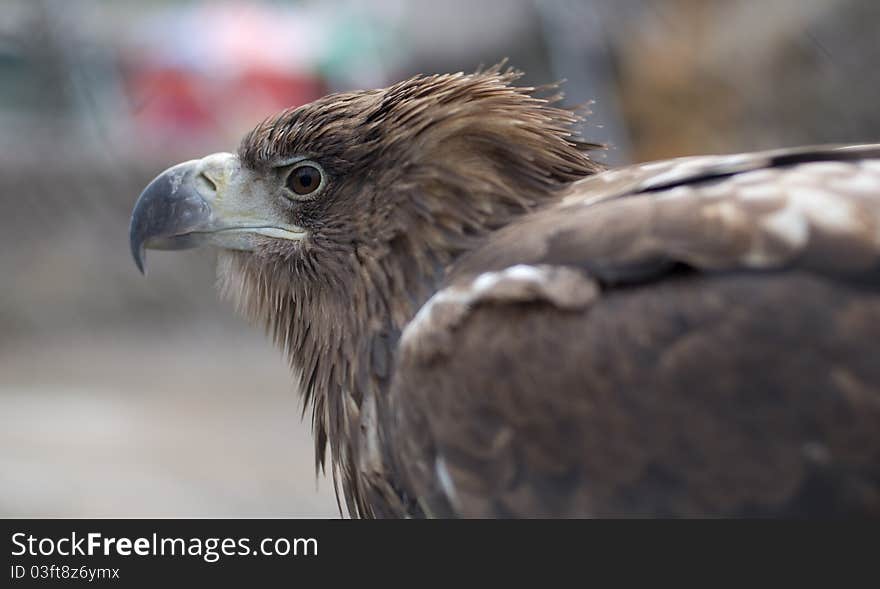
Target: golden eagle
484, 322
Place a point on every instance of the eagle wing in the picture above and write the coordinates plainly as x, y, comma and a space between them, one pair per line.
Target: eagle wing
692, 337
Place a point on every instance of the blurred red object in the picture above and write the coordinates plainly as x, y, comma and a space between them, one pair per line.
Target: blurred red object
180, 110
200, 76
169, 101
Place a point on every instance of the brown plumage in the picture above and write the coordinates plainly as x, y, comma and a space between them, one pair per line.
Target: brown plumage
482, 324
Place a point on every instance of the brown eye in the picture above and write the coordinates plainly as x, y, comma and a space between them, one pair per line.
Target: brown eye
304, 179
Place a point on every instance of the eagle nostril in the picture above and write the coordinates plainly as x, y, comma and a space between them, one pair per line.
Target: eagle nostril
206, 182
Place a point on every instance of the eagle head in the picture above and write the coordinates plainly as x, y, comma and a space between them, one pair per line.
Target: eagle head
453, 155
335, 220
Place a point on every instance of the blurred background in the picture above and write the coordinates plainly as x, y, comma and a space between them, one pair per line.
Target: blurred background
122, 396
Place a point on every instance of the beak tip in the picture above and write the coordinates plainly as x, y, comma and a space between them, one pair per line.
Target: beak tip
138, 251
140, 260
142, 268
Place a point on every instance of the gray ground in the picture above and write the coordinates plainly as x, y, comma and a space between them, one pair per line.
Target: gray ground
189, 423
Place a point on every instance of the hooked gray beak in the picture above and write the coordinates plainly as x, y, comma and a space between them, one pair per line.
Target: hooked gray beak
208, 201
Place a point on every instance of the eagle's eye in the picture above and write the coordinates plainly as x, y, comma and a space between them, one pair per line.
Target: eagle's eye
305, 178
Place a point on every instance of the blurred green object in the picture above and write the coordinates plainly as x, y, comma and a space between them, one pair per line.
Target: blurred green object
361, 47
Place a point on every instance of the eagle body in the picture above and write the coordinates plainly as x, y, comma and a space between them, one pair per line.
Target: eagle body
711, 337
486, 323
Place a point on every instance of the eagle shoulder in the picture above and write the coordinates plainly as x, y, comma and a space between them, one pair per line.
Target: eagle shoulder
730, 213
432, 330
